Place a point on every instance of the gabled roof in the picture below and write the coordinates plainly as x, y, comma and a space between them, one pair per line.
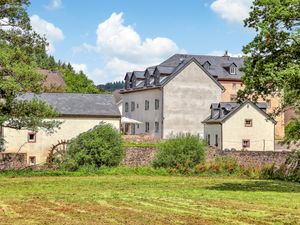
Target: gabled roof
78, 104
165, 69
234, 107
217, 64
138, 74
128, 76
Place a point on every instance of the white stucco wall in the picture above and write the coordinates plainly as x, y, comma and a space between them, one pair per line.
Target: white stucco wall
70, 128
213, 130
140, 113
187, 100
261, 134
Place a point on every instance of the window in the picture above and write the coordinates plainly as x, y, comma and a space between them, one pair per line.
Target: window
248, 122
132, 106
137, 126
269, 103
147, 127
246, 143
146, 105
1, 131
234, 86
232, 70
32, 160
137, 106
208, 139
233, 98
126, 107
217, 141
156, 127
31, 137
156, 104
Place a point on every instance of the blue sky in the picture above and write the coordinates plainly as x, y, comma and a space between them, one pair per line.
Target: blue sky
106, 39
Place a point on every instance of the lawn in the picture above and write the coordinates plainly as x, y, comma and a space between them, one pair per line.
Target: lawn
111, 199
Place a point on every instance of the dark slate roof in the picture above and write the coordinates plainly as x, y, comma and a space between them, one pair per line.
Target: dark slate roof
78, 104
230, 108
216, 68
165, 69
139, 74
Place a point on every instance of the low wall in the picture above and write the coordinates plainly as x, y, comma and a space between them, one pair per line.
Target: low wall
143, 156
251, 158
10, 161
139, 156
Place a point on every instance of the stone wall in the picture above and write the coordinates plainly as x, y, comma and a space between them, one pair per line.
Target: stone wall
11, 161
253, 158
139, 156
143, 156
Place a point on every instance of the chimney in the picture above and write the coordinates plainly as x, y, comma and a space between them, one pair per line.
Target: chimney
226, 54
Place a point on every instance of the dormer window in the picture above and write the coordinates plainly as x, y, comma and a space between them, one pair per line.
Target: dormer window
206, 65
232, 70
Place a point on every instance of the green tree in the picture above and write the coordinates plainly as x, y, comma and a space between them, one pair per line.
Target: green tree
273, 63
18, 70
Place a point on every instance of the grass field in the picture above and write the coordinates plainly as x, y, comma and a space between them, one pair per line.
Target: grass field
147, 200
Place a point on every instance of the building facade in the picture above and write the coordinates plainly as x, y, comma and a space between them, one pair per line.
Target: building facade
78, 114
231, 126
170, 100
186, 92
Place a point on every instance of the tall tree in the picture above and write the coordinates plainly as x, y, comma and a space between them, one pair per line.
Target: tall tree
273, 63
19, 46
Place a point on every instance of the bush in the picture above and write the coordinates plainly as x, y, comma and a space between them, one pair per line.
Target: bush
98, 147
290, 170
183, 151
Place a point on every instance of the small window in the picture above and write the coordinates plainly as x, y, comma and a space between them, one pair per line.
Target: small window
156, 104
234, 86
147, 127
208, 139
137, 126
232, 70
146, 105
156, 127
32, 160
132, 106
217, 141
269, 103
233, 98
126, 107
31, 137
137, 106
246, 143
248, 122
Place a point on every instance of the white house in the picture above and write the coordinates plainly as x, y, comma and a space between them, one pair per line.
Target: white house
169, 99
246, 126
78, 112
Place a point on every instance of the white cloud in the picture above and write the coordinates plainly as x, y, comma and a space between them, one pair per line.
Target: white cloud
118, 40
79, 67
47, 29
221, 53
232, 10
55, 4
124, 49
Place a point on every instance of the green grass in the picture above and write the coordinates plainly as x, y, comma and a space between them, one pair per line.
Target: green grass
133, 199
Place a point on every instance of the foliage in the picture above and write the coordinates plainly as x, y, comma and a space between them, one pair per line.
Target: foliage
78, 82
98, 147
112, 86
19, 46
183, 149
273, 63
290, 170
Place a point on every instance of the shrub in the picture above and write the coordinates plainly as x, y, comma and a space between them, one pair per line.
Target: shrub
182, 151
290, 170
100, 146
